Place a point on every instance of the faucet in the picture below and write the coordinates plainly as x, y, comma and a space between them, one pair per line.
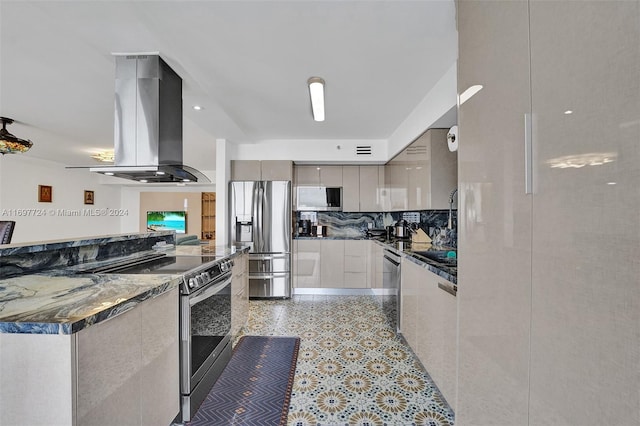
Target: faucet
450, 222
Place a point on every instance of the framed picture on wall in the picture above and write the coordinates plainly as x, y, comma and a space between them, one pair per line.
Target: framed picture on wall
45, 193
88, 197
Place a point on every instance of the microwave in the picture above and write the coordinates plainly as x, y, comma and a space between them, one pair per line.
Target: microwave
319, 198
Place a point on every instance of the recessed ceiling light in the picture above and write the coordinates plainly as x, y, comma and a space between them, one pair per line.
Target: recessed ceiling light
567, 112
108, 173
316, 91
611, 183
197, 107
143, 180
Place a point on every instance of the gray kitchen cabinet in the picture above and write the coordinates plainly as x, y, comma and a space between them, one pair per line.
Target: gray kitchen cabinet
376, 253
127, 366
429, 324
239, 294
318, 175
494, 297
254, 170
351, 189
357, 262
548, 322
276, 170
332, 265
331, 176
585, 307
423, 175
443, 170
245, 170
308, 263
432, 171
307, 175
397, 183
372, 188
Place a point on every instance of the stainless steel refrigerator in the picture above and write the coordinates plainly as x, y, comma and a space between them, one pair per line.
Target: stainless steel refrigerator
260, 216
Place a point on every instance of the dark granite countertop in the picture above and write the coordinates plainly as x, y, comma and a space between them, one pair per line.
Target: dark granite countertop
64, 300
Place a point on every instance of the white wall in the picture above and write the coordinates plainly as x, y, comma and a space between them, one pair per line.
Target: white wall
131, 200
313, 151
20, 176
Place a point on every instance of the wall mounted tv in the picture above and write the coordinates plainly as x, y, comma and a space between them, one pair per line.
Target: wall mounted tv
167, 221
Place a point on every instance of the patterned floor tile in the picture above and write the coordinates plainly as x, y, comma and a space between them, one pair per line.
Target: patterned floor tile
352, 368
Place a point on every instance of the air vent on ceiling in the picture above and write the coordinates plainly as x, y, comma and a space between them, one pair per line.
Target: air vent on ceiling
363, 150
417, 149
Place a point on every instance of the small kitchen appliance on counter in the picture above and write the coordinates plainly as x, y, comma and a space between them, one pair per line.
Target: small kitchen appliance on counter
402, 229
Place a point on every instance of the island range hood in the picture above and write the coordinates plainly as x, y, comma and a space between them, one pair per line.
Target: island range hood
148, 123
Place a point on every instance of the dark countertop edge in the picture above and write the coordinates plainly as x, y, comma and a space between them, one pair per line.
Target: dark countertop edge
420, 261
35, 247
71, 327
67, 328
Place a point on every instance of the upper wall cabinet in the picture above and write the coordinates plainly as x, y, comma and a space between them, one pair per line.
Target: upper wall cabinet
261, 170
423, 175
363, 188
319, 175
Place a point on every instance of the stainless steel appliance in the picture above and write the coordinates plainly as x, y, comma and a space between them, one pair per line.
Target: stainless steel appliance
260, 215
148, 122
402, 229
205, 320
391, 284
319, 198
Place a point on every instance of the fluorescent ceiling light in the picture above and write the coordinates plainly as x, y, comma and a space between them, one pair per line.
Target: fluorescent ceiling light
467, 94
316, 91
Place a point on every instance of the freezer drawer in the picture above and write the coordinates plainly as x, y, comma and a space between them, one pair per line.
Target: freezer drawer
267, 263
270, 285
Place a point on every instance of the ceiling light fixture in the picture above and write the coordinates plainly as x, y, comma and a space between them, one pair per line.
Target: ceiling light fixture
10, 144
108, 173
197, 107
106, 156
316, 91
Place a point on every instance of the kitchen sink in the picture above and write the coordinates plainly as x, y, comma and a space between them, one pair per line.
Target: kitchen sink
440, 256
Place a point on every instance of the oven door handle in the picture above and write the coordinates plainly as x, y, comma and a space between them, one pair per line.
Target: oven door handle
209, 291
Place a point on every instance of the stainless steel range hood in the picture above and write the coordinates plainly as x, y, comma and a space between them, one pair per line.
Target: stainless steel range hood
148, 123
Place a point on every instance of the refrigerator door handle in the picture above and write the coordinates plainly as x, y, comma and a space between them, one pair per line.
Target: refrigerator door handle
257, 229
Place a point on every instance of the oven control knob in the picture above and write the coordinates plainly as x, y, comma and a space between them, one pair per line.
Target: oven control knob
192, 282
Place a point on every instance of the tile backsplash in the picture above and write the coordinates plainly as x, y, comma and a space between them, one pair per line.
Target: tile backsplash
354, 225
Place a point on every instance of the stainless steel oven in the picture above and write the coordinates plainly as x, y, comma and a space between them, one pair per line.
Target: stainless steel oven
205, 335
205, 319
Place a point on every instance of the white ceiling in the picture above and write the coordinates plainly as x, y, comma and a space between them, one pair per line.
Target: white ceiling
245, 62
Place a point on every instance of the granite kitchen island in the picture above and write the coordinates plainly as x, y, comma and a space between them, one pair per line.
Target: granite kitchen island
79, 348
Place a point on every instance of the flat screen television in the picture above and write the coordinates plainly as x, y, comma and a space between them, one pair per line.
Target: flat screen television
167, 221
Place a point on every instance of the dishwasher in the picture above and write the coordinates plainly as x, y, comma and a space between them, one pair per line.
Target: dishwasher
391, 286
